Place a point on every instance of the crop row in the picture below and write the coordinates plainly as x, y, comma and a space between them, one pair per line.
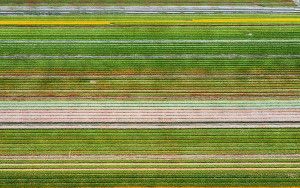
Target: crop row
291, 48
93, 178
149, 67
214, 141
151, 33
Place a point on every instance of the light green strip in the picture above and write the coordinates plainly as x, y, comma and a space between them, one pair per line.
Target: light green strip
4, 105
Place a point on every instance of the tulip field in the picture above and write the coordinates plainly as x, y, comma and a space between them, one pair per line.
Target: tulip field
149, 100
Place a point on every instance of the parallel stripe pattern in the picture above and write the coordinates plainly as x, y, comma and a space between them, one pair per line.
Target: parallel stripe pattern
144, 100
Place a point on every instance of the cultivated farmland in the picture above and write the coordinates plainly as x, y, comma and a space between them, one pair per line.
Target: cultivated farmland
150, 100
150, 57
169, 157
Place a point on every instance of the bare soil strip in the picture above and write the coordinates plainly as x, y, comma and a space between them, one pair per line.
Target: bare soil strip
145, 125
161, 76
151, 115
210, 187
105, 165
36, 10
153, 169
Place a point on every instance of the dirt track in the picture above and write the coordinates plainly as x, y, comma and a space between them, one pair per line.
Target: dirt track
151, 169
44, 10
144, 125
